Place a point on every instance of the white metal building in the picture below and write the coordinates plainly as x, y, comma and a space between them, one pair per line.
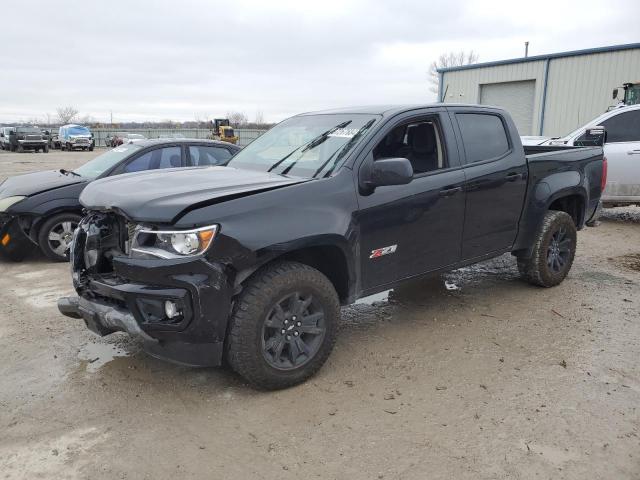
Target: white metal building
546, 94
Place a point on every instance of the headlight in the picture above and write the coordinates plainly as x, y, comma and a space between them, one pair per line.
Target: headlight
5, 203
172, 244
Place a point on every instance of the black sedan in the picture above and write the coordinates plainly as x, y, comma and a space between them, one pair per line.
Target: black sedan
43, 209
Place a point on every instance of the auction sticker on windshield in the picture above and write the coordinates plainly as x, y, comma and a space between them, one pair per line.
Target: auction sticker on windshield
344, 132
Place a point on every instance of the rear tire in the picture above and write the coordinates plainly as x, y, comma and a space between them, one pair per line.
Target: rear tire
283, 325
56, 234
553, 251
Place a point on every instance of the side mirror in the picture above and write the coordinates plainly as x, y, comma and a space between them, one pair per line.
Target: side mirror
615, 93
386, 172
592, 137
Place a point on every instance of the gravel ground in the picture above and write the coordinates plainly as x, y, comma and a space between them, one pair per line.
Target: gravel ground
495, 380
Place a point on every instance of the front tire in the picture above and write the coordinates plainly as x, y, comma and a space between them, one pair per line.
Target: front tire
553, 251
56, 234
283, 325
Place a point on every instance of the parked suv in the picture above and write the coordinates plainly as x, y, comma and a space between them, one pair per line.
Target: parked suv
5, 133
74, 136
622, 150
27, 138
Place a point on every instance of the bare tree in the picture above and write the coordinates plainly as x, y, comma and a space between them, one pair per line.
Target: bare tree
446, 60
87, 120
66, 114
259, 118
237, 119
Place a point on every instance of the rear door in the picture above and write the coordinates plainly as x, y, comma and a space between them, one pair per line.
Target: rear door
496, 179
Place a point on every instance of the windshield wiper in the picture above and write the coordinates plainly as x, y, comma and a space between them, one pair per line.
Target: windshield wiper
323, 136
314, 142
69, 172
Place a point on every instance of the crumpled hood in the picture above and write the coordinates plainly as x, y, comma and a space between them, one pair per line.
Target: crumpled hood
162, 195
37, 182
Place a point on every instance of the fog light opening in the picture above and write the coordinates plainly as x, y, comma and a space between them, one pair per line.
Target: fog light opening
171, 309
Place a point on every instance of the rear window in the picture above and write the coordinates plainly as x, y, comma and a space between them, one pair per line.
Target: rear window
207, 156
483, 136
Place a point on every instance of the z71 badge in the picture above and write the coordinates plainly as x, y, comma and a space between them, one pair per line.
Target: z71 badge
379, 252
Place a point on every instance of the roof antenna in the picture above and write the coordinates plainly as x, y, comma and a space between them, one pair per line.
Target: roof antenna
526, 49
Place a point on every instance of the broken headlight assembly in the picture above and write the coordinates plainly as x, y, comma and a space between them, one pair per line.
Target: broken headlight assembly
172, 243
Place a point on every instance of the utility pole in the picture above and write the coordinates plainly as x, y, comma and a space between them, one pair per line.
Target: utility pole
111, 113
526, 49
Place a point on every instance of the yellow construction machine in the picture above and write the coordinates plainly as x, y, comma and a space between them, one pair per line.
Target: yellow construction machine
222, 130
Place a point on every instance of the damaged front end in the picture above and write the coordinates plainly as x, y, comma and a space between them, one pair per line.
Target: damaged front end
162, 301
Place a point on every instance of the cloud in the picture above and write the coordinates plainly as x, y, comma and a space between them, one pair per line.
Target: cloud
180, 60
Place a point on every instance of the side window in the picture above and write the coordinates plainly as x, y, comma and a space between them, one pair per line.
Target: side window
168, 157
624, 127
207, 156
483, 136
419, 141
139, 164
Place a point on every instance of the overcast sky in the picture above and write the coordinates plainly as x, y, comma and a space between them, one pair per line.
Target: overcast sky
187, 59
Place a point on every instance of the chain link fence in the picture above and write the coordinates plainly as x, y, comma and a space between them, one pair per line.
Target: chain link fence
245, 135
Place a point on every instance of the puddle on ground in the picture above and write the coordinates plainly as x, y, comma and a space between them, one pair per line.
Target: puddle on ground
601, 277
555, 455
98, 354
630, 262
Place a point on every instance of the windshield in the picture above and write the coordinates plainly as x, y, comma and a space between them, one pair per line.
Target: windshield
305, 146
104, 162
28, 130
79, 131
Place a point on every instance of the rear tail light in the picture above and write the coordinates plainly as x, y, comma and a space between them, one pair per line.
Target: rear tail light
603, 182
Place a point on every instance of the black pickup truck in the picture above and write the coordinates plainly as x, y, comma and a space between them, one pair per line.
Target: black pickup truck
250, 262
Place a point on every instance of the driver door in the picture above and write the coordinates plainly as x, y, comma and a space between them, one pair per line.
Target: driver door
409, 230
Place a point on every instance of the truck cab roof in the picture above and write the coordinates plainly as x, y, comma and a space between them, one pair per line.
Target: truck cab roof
391, 110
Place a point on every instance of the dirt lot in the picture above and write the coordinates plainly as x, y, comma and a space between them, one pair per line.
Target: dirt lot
497, 380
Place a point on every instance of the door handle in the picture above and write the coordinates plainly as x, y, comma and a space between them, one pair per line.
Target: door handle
633, 152
447, 192
512, 177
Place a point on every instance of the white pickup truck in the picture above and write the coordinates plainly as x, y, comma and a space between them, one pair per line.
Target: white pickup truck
622, 150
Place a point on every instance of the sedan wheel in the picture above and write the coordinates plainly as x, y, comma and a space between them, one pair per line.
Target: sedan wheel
60, 237
56, 235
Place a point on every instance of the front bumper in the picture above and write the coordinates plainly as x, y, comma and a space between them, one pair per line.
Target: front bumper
13, 241
80, 143
131, 299
32, 143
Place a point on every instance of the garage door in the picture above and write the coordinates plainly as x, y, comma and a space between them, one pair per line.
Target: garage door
516, 98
